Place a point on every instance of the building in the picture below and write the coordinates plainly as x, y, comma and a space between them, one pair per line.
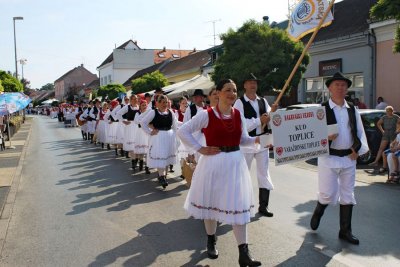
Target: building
72, 81
347, 45
129, 58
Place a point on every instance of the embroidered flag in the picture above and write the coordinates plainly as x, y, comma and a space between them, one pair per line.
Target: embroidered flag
306, 16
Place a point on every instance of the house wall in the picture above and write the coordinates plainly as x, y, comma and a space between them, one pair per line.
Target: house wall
183, 76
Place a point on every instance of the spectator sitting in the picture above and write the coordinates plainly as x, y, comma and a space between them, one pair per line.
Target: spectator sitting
381, 103
391, 124
391, 159
359, 104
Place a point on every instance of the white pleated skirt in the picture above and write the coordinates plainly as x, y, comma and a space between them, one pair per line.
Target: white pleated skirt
221, 189
162, 149
141, 142
111, 137
91, 127
84, 127
101, 131
130, 136
120, 132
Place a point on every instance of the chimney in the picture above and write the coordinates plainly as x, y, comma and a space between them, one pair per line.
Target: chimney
164, 49
82, 65
266, 20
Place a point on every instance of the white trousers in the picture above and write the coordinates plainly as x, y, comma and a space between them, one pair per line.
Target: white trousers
336, 184
390, 158
262, 161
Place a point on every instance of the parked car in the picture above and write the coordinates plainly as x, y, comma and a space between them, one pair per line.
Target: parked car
369, 119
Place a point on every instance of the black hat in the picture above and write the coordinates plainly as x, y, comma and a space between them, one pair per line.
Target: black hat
198, 92
147, 95
251, 77
338, 77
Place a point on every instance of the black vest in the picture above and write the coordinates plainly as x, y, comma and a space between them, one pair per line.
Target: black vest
88, 118
95, 110
250, 113
130, 115
162, 122
331, 119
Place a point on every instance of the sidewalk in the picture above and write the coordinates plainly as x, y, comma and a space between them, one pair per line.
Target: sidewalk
10, 160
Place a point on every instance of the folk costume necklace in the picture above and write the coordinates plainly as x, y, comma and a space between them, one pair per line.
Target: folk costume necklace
229, 124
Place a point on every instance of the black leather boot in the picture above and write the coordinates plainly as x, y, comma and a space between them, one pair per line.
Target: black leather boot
102, 145
171, 168
316, 218
345, 225
121, 152
127, 155
134, 164
263, 197
141, 165
108, 147
245, 258
116, 152
212, 251
146, 169
91, 138
83, 135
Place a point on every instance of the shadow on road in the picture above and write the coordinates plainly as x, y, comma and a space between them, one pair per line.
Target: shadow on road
162, 238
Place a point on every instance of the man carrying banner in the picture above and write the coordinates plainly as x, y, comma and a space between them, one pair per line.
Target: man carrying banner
255, 110
336, 172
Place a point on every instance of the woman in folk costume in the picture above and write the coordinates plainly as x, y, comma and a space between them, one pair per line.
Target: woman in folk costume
102, 125
162, 140
127, 115
221, 188
141, 139
112, 126
121, 125
93, 115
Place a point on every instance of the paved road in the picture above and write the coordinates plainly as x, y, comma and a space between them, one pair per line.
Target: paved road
78, 205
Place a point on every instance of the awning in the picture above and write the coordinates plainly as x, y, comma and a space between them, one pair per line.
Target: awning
198, 82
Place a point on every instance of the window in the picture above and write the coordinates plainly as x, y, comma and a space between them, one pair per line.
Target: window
109, 78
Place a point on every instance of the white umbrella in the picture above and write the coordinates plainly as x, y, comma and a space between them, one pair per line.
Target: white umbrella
49, 101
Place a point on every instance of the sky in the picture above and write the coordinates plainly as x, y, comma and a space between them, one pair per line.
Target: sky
57, 35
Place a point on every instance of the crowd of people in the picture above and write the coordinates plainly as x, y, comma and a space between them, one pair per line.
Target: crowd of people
226, 132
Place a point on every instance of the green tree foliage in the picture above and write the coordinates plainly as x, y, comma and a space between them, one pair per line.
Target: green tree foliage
149, 82
111, 90
1, 87
388, 9
10, 83
47, 87
266, 52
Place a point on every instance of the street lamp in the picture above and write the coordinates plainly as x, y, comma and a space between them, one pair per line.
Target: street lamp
22, 62
15, 46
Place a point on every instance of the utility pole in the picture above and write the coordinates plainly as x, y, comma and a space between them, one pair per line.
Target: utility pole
214, 34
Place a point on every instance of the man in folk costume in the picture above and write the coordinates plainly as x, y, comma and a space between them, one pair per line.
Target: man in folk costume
256, 112
191, 111
93, 118
121, 126
337, 172
85, 117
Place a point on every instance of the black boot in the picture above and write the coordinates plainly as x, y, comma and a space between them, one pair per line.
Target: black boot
141, 165
121, 152
163, 181
245, 258
91, 138
316, 218
134, 164
171, 168
102, 145
345, 225
263, 197
116, 152
211, 249
146, 169
108, 147
83, 135
127, 154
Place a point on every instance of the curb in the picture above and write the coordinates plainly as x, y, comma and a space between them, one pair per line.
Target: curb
7, 210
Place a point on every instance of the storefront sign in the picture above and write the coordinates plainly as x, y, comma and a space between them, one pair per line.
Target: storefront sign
299, 134
330, 67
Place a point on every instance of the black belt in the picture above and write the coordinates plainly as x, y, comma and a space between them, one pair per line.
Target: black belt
164, 128
228, 149
340, 152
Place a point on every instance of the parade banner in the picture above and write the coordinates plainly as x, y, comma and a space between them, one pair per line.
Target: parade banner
306, 17
299, 134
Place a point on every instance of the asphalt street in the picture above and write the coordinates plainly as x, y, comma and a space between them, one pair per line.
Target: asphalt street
78, 205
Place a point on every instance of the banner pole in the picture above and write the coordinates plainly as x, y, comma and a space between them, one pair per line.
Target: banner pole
304, 52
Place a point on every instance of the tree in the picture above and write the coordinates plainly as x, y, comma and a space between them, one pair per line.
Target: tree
388, 9
111, 90
1, 87
148, 82
266, 52
47, 87
10, 83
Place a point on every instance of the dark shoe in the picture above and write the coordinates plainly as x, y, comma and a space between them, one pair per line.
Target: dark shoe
345, 225
146, 169
171, 167
245, 258
134, 164
116, 152
102, 145
263, 197
141, 165
127, 155
108, 147
212, 251
121, 152
316, 218
163, 181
